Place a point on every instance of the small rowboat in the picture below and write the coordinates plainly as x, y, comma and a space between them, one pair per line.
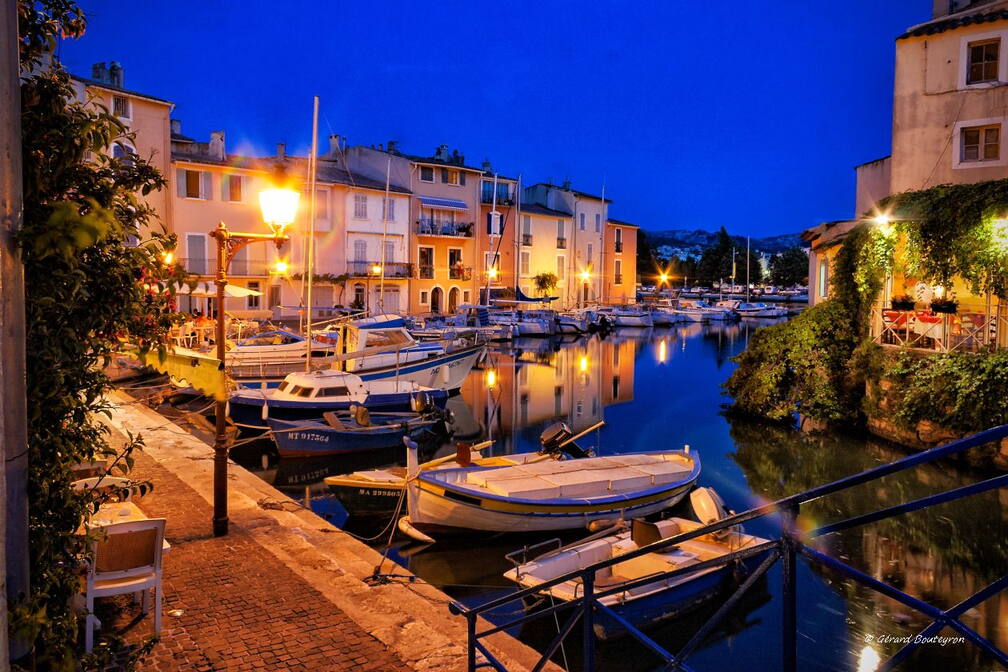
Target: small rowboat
549, 495
347, 432
665, 597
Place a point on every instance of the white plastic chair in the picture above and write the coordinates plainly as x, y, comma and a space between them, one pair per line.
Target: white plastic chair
126, 560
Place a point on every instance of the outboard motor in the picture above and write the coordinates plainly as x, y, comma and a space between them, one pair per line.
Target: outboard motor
421, 402
556, 434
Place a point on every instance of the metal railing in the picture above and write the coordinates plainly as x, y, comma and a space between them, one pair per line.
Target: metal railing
561, 243
964, 331
527, 239
239, 267
434, 227
618, 279
460, 272
393, 269
787, 547
425, 272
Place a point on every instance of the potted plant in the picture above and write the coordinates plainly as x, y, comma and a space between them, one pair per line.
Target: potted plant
949, 305
903, 302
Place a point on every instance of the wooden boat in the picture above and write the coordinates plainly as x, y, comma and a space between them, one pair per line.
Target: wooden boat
352, 431
550, 495
304, 396
664, 598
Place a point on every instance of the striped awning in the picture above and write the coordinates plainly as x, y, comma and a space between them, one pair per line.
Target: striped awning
443, 203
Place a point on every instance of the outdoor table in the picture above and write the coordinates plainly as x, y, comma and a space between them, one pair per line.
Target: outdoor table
118, 512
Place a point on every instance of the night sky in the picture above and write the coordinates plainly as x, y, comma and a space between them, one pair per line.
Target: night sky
748, 114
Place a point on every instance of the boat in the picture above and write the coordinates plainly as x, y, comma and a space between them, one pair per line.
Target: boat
627, 316
304, 396
701, 311
352, 431
571, 323
750, 309
523, 323
553, 494
477, 317
659, 600
271, 353
662, 316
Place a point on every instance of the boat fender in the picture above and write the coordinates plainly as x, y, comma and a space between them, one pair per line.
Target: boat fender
265, 409
406, 527
602, 524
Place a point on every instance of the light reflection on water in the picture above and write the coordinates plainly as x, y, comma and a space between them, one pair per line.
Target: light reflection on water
660, 388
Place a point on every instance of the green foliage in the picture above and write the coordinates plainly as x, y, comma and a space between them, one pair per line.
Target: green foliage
716, 264
790, 267
961, 391
87, 288
545, 283
956, 230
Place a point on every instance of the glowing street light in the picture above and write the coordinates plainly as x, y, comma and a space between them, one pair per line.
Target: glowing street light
281, 267
585, 276
279, 207
492, 272
376, 269
663, 278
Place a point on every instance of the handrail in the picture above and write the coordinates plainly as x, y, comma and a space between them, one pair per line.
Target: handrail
785, 548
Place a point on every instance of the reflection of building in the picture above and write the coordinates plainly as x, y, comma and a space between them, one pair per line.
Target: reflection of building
573, 385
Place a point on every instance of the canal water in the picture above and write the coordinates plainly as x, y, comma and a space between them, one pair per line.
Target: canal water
659, 389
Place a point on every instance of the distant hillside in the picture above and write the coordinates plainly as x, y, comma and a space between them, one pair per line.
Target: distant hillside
693, 243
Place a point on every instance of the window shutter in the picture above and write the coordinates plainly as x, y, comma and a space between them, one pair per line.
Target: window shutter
180, 183
225, 187
489, 223
462, 178
444, 176
207, 191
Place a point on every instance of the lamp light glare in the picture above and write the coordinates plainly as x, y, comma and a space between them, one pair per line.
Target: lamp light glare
583, 363
585, 276
168, 258
492, 272
279, 207
882, 219
281, 267
491, 377
376, 269
662, 352
663, 277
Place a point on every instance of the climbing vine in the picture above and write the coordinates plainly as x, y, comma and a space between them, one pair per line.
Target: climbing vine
90, 286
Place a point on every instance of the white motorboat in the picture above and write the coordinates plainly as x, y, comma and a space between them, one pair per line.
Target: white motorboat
273, 353
748, 309
523, 324
627, 316
663, 598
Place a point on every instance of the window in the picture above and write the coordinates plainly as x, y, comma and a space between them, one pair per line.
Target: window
196, 253
493, 223
321, 204
425, 297
527, 225
389, 253
231, 188
192, 184
487, 264
454, 257
581, 221
526, 258
561, 266
589, 254
426, 174
338, 391
360, 250
560, 228
466, 296
388, 209
619, 272
455, 177
981, 143
360, 206
823, 277
359, 295
274, 296
123, 151
426, 263
558, 400
598, 222
121, 106
983, 62
619, 240
253, 299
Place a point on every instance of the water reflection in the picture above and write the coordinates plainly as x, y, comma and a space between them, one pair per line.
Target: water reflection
660, 388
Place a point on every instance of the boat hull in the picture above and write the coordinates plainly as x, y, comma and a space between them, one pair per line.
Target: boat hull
441, 509
251, 412
295, 439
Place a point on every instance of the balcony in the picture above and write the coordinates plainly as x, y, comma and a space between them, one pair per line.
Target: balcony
426, 272
561, 243
527, 239
618, 279
459, 272
619, 245
393, 269
964, 331
239, 267
503, 197
429, 227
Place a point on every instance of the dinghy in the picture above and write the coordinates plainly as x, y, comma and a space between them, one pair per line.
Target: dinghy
659, 600
353, 431
552, 494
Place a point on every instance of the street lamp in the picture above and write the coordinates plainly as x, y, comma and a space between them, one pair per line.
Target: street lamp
278, 207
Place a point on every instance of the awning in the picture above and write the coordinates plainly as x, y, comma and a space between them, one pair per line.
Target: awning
443, 203
206, 289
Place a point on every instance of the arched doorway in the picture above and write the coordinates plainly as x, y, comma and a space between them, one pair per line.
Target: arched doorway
453, 299
436, 299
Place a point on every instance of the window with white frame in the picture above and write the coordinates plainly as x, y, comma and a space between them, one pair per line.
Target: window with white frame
618, 272
121, 107
360, 206
980, 143
193, 183
493, 223
360, 250
560, 228
253, 299
425, 297
561, 266
823, 278
449, 176
231, 188
490, 260
984, 61
388, 209
525, 262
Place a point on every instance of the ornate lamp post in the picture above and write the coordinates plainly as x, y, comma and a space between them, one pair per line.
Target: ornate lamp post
278, 209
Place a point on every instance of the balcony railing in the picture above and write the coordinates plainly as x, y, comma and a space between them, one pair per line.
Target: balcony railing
487, 197
964, 331
618, 279
619, 246
561, 243
393, 269
460, 272
238, 267
429, 227
527, 239
426, 272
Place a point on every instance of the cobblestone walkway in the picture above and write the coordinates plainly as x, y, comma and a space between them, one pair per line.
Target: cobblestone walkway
231, 605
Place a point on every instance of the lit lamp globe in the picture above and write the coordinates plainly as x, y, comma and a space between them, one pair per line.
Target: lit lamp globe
376, 269
279, 207
585, 276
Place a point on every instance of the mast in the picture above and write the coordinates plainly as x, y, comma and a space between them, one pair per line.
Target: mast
310, 261
732, 270
493, 213
385, 218
603, 283
519, 231
747, 269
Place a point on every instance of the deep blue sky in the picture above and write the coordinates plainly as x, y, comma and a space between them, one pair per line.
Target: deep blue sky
749, 114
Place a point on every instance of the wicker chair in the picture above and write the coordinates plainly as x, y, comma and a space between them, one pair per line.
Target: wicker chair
125, 559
